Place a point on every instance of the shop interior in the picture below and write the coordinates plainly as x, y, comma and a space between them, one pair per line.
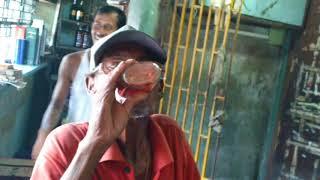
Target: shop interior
242, 79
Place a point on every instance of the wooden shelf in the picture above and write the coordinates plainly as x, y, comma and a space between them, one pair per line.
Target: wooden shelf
15, 167
69, 48
74, 22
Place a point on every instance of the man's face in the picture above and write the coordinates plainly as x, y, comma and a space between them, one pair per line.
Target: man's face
111, 60
103, 25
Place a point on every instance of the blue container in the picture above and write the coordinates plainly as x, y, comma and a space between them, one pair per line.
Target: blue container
20, 51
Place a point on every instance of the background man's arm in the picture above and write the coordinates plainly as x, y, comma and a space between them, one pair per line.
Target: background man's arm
55, 107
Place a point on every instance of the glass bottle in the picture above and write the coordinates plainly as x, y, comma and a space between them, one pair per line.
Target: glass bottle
73, 10
86, 37
78, 37
80, 12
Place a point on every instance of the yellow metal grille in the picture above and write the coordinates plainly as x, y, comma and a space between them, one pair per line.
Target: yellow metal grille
198, 31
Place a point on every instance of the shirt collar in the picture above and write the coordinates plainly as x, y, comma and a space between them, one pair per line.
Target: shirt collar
113, 153
161, 154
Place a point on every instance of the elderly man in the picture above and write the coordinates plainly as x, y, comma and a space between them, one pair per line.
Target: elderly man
122, 139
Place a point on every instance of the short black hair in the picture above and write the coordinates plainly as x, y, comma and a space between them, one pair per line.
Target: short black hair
122, 19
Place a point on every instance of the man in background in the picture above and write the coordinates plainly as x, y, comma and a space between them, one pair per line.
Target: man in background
72, 71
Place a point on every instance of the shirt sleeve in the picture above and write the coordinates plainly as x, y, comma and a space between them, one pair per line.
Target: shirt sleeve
191, 170
54, 158
190, 167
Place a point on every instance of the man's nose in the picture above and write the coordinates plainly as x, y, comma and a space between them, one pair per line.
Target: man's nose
102, 33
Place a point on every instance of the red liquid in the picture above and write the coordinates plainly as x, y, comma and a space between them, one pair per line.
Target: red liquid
141, 77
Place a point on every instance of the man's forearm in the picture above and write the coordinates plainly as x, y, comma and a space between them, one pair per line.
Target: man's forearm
51, 117
85, 160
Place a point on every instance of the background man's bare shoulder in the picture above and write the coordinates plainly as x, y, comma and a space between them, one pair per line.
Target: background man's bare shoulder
70, 63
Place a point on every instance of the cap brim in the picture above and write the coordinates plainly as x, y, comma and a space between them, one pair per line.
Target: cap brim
135, 37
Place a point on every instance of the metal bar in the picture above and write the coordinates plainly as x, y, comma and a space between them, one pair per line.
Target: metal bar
273, 120
165, 44
203, 93
173, 21
294, 161
225, 87
167, 85
305, 115
234, 40
309, 124
195, 6
199, 50
175, 65
192, 67
216, 97
310, 68
185, 89
196, 99
203, 136
250, 34
220, 98
310, 149
211, 65
215, 155
226, 25
206, 152
184, 60
315, 169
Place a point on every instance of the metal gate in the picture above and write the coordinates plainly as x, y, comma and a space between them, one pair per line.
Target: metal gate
197, 71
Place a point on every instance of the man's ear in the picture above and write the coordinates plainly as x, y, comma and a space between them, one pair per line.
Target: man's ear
90, 83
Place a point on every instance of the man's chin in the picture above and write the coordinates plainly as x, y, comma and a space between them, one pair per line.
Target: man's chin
141, 110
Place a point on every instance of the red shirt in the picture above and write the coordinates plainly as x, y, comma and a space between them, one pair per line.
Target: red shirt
171, 154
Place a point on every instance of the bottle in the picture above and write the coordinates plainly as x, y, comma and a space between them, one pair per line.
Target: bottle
80, 12
78, 37
86, 37
73, 10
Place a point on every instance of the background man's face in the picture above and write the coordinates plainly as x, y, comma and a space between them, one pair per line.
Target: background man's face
103, 25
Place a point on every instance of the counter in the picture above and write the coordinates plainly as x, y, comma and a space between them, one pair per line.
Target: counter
21, 111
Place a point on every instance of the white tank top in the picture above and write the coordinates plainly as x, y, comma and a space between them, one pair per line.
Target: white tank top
79, 102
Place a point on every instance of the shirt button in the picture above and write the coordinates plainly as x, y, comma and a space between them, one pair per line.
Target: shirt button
127, 170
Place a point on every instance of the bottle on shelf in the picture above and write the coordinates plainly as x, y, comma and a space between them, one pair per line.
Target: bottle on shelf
73, 10
80, 12
86, 37
78, 41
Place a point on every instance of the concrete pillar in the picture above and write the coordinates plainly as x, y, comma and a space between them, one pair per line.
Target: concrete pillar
144, 15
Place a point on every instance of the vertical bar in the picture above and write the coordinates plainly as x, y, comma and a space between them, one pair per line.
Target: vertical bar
191, 71
272, 122
315, 169
173, 21
184, 59
193, 62
175, 65
234, 40
227, 25
211, 65
206, 152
